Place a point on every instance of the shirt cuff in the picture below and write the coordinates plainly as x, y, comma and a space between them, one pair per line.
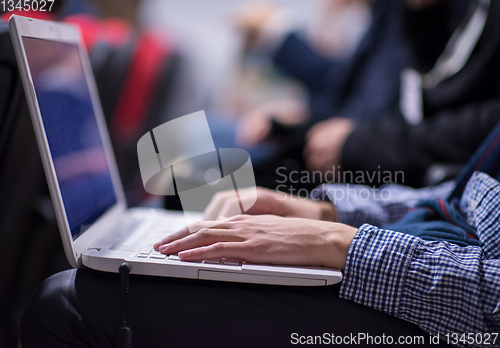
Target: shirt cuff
477, 188
353, 203
376, 268
480, 202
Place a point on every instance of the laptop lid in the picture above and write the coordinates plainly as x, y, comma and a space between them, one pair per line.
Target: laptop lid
71, 132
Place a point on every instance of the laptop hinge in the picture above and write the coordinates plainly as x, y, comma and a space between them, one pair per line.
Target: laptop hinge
78, 257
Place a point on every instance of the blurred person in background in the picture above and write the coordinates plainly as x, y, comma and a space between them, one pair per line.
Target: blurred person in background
447, 105
363, 84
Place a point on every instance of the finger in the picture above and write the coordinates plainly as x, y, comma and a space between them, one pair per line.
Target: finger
258, 201
215, 205
204, 237
229, 209
265, 204
185, 231
233, 250
174, 236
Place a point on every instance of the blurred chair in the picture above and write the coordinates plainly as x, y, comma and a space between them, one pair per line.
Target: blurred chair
136, 75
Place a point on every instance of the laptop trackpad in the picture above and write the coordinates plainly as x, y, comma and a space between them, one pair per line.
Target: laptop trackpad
257, 279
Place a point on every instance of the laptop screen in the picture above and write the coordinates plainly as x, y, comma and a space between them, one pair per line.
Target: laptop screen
71, 128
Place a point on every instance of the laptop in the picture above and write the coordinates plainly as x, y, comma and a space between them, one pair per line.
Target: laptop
97, 229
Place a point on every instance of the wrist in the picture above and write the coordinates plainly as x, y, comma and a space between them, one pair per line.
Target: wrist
344, 243
327, 211
341, 237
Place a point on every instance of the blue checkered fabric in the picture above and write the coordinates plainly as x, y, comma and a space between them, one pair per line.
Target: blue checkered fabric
481, 202
358, 204
439, 286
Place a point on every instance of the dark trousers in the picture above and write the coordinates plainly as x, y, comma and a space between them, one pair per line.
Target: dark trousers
83, 308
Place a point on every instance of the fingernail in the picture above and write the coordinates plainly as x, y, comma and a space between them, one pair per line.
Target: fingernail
164, 247
184, 254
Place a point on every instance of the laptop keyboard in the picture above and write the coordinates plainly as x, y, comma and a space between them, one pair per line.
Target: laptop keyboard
150, 253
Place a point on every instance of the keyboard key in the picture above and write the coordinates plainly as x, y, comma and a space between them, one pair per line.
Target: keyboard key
174, 258
156, 256
213, 262
231, 262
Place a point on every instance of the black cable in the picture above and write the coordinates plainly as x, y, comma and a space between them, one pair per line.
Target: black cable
124, 333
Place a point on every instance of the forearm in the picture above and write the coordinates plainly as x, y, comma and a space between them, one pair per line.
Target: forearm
440, 287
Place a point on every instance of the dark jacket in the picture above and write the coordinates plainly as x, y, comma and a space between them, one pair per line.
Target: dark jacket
458, 113
365, 85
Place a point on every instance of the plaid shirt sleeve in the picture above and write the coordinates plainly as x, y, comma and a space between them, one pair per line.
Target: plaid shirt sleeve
441, 287
358, 204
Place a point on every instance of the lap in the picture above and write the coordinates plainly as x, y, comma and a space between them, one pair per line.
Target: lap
84, 307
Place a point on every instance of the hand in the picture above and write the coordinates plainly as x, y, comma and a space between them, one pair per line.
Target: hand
264, 239
255, 125
324, 143
225, 205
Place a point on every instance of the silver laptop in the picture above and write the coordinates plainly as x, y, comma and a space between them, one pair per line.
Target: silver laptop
97, 228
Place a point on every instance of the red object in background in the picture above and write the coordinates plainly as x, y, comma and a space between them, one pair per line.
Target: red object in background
31, 14
138, 90
149, 57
